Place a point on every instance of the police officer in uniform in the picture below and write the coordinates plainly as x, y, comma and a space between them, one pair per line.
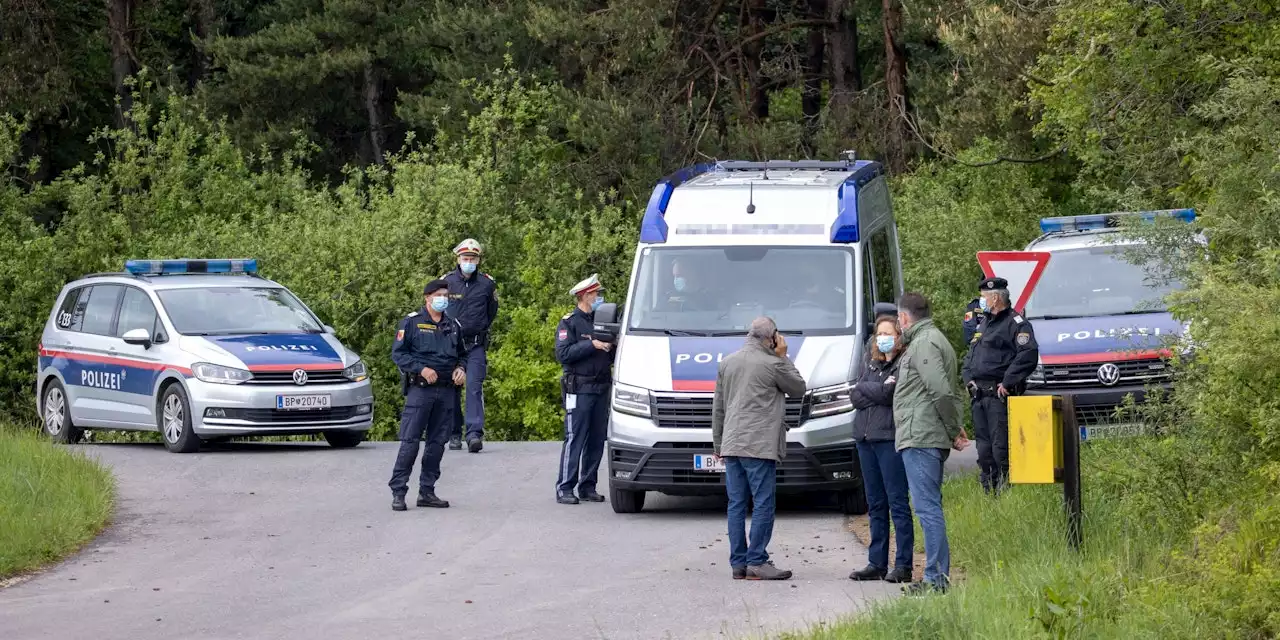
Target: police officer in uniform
685, 294
972, 316
1002, 353
429, 353
585, 386
473, 302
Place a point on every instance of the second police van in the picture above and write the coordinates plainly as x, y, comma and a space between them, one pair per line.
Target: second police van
812, 244
1100, 319
196, 350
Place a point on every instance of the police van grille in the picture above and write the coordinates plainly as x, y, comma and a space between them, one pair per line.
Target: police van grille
332, 376
694, 412
1131, 371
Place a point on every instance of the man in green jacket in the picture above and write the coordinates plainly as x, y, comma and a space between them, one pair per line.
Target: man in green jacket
926, 411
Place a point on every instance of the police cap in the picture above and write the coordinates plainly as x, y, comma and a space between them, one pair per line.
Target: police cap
434, 286
993, 283
590, 285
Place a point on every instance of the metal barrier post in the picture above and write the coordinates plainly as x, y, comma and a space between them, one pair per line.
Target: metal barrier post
1071, 470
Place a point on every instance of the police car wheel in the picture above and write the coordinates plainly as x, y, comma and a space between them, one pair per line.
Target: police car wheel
344, 439
853, 502
55, 414
175, 421
625, 501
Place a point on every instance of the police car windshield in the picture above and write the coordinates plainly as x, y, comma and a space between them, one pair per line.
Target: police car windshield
1096, 281
207, 311
720, 290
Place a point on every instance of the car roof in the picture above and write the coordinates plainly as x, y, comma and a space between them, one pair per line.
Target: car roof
1066, 240
178, 281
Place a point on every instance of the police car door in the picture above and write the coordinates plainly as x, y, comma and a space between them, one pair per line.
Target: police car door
91, 368
130, 399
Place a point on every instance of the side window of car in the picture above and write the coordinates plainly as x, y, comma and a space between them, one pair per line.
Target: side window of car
100, 313
71, 313
136, 312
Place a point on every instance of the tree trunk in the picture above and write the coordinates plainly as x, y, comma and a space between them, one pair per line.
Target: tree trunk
895, 80
120, 31
811, 91
846, 76
758, 95
202, 18
373, 110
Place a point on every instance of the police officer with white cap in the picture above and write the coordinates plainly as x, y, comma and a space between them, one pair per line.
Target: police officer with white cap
587, 364
473, 302
1002, 354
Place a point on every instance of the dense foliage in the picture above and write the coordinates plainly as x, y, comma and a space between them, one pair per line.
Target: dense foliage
349, 144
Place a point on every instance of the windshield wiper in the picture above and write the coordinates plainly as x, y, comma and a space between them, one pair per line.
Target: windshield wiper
1056, 317
1138, 312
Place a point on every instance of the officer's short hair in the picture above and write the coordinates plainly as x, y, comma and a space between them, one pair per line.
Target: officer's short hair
762, 329
1003, 294
915, 304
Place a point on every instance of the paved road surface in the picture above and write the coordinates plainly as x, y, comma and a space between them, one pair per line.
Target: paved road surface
298, 541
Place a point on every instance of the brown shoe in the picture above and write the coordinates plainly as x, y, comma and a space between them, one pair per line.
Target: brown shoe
767, 572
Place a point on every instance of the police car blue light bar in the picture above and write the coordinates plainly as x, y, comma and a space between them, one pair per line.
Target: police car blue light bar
167, 267
1110, 220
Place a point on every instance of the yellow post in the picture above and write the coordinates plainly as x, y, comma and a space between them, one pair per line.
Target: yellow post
1035, 440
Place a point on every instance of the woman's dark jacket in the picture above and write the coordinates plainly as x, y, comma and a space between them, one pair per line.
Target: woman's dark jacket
873, 399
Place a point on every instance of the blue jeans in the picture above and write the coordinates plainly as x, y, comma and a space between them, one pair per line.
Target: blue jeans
750, 479
924, 477
885, 479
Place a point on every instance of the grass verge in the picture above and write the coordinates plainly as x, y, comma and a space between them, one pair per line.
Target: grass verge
1022, 581
52, 500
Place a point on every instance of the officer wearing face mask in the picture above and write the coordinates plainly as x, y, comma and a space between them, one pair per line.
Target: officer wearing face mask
585, 385
1002, 354
473, 302
684, 295
429, 352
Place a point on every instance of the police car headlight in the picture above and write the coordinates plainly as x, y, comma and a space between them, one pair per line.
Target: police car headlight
631, 400
219, 374
1037, 376
356, 372
830, 401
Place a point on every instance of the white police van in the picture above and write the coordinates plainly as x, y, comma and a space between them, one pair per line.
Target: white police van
1101, 321
811, 244
196, 349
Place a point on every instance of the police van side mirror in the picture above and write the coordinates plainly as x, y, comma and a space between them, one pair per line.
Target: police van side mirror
329, 329
605, 326
137, 337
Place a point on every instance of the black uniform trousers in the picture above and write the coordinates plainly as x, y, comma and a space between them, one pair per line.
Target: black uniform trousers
430, 410
586, 426
991, 426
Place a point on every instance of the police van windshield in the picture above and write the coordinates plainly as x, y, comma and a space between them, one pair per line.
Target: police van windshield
207, 311
720, 290
1096, 281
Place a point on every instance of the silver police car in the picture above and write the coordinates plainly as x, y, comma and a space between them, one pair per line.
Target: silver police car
196, 350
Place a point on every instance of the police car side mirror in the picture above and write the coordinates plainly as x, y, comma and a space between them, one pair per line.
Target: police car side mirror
329, 329
605, 326
138, 337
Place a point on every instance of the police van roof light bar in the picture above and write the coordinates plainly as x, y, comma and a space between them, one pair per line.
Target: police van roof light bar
175, 267
782, 165
1110, 220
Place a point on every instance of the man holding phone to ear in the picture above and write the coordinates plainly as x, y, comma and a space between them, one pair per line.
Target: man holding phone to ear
749, 432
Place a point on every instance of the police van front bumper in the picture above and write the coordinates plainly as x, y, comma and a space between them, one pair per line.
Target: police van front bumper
667, 467
250, 409
1096, 406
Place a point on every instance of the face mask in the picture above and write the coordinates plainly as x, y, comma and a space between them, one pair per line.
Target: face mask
679, 283
439, 304
595, 304
467, 267
982, 304
885, 343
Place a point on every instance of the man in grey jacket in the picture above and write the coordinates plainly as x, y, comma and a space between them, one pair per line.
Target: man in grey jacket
749, 433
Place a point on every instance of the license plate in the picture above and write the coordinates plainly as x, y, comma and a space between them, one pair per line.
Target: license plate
703, 462
302, 403
1108, 431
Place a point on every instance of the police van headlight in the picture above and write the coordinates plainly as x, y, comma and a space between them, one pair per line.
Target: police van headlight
1037, 376
218, 374
830, 401
631, 400
356, 372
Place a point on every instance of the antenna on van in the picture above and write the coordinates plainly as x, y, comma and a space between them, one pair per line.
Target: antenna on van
751, 198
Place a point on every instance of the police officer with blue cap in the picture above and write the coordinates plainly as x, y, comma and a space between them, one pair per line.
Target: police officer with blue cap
473, 302
429, 352
587, 364
1002, 354
972, 316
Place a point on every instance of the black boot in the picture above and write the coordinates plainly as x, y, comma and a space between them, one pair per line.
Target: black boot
475, 444
899, 575
455, 443
590, 496
397, 504
869, 572
429, 499
566, 498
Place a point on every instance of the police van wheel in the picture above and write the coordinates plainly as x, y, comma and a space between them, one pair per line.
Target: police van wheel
625, 501
175, 421
853, 502
55, 413
344, 439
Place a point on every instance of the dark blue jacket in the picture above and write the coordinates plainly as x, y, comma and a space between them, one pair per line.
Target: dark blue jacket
1003, 351
972, 317
586, 368
422, 342
473, 302
873, 399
